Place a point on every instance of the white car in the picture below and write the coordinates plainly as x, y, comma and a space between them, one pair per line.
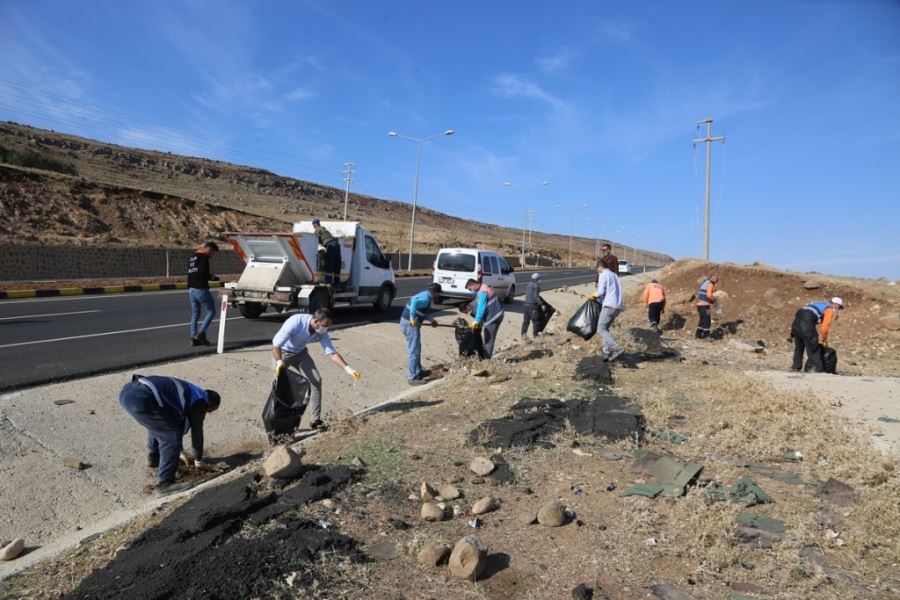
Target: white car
454, 266
624, 268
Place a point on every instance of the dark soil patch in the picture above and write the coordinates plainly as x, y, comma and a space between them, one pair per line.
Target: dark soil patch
208, 548
532, 421
593, 368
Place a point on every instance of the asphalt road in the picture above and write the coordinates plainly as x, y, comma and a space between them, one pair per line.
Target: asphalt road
54, 339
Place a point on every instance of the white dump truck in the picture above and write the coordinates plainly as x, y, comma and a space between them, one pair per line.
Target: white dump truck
285, 270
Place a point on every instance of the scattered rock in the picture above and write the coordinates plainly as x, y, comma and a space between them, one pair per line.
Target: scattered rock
482, 506
448, 492
433, 556
746, 587
744, 346
74, 463
476, 480
527, 518
482, 466
399, 524
469, 557
457, 479
481, 373
668, 591
12, 550
837, 493
811, 284
498, 378
552, 514
891, 322
582, 592
358, 462
327, 503
432, 512
283, 463
63, 402
427, 493
382, 550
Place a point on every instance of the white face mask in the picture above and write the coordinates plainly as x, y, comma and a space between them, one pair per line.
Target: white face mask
321, 330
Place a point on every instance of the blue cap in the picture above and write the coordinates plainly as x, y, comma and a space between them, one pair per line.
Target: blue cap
316, 222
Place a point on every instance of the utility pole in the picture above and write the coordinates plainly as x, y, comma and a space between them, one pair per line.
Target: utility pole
709, 139
348, 177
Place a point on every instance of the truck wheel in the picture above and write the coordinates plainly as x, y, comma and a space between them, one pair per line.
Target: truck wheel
250, 310
384, 299
318, 299
511, 295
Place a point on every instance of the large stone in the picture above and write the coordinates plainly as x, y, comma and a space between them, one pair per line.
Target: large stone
432, 512
427, 492
74, 463
283, 463
811, 284
469, 557
744, 346
448, 492
482, 466
12, 550
891, 322
482, 506
552, 514
433, 556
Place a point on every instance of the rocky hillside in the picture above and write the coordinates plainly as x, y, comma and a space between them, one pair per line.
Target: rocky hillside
57, 188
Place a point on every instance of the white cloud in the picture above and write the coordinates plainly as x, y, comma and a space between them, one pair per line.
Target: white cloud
300, 94
615, 30
558, 61
511, 85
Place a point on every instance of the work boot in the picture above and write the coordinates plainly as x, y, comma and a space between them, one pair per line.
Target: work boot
416, 381
195, 342
615, 354
319, 425
167, 489
152, 461
201, 337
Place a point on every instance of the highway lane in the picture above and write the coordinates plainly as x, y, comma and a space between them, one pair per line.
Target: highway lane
54, 339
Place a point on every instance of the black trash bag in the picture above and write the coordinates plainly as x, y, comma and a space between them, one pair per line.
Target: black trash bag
584, 322
286, 403
829, 360
470, 342
545, 311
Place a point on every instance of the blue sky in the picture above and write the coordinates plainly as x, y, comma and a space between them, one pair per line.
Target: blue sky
597, 98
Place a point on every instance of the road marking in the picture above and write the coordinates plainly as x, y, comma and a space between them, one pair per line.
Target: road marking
128, 295
93, 335
77, 312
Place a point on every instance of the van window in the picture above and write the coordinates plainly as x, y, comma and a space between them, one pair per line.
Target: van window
486, 265
504, 268
454, 261
374, 254
495, 265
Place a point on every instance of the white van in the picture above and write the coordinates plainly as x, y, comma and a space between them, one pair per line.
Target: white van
455, 266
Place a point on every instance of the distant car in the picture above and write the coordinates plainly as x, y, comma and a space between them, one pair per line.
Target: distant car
624, 268
455, 266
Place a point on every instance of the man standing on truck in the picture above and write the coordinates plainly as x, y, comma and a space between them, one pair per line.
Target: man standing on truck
198, 276
488, 314
332, 253
706, 297
289, 350
417, 311
531, 313
803, 330
167, 408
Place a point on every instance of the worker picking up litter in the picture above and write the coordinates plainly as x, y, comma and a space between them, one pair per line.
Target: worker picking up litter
167, 408
655, 301
706, 297
488, 314
803, 331
531, 312
417, 311
289, 349
609, 296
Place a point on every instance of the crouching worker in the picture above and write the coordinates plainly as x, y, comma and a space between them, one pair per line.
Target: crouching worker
417, 311
803, 330
289, 350
167, 408
488, 314
655, 301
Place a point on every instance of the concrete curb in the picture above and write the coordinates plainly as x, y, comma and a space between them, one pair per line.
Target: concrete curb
117, 520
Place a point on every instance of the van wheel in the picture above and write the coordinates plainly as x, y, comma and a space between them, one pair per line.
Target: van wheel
511, 295
251, 310
384, 299
319, 299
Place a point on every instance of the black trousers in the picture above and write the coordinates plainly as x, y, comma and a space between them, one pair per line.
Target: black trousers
803, 330
531, 314
654, 313
333, 262
705, 323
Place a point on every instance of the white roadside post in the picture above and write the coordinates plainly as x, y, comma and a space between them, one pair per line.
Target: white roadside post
223, 312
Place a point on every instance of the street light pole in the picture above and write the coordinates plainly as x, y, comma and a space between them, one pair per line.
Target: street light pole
525, 202
418, 141
708, 141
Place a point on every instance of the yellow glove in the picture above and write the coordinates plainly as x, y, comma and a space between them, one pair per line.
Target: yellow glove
352, 372
279, 365
412, 323
593, 296
475, 326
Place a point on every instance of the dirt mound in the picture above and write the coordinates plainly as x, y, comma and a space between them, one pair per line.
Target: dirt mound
761, 303
217, 544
